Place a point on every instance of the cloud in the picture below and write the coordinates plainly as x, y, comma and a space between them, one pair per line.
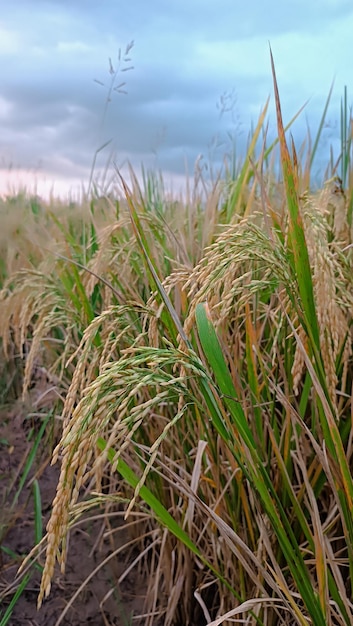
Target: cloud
187, 54
9, 42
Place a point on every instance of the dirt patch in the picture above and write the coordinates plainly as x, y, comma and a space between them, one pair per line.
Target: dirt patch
102, 602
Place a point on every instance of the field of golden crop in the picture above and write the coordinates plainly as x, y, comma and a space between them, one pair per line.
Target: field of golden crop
187, 364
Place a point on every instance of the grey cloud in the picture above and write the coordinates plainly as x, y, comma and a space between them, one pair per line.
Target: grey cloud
175, 25
170, 111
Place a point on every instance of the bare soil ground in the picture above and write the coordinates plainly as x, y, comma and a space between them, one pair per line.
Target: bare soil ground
102, 602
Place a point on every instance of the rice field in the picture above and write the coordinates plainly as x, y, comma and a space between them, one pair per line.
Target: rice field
198, 355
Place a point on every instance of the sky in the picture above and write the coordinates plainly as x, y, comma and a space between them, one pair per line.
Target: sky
196, 79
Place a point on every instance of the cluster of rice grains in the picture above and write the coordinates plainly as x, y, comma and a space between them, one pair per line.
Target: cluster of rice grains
328, 236
244, 260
